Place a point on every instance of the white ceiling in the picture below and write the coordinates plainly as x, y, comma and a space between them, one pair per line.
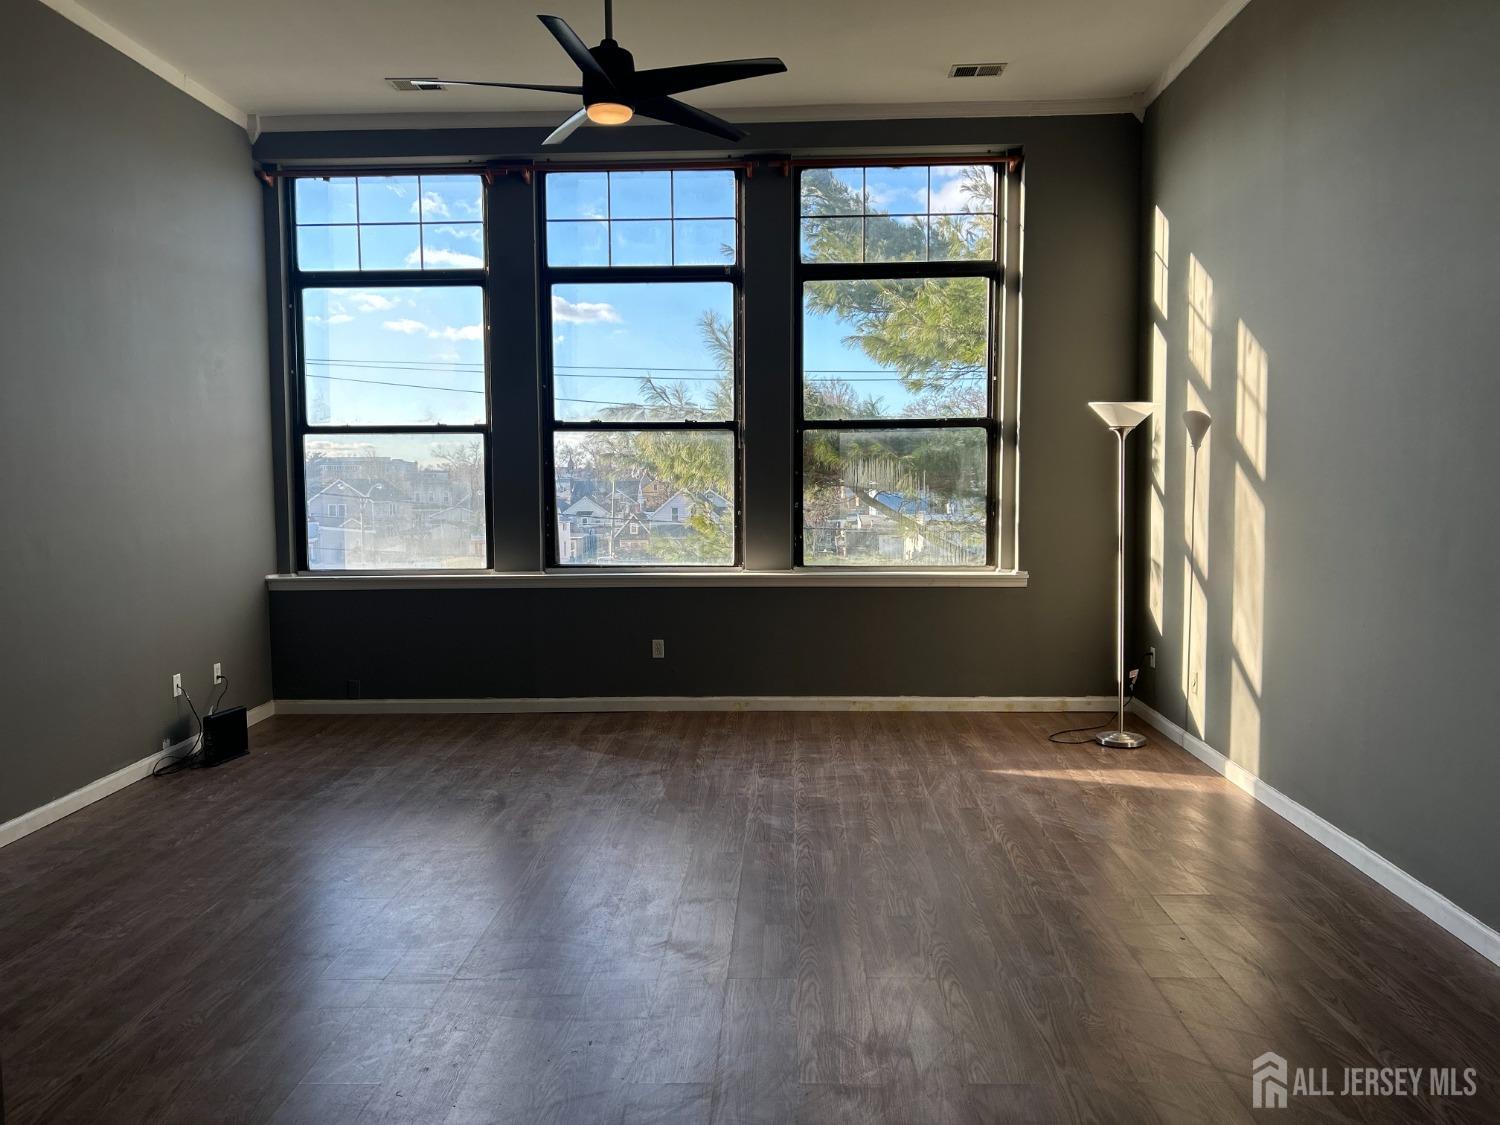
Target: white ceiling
326, 57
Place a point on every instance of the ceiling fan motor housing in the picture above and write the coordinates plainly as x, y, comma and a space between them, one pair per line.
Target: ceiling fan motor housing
619, 64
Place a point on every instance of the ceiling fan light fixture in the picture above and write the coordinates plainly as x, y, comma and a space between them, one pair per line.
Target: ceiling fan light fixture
609, 113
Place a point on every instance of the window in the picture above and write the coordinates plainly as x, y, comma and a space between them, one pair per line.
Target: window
391, 395
901, 274
641, 285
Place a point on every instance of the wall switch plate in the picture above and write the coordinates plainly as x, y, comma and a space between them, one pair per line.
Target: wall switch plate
658, 649
177, 685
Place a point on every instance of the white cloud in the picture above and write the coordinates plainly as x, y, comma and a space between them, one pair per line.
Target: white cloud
406, 326
432, 203
451, 259
950, 192
371, 302
559, 338
583, 312
336, 318
467, 332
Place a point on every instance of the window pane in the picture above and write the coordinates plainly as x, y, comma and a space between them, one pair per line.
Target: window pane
641, 243
578, 244
896, 238
659, 351
894, 497
453, 246
833, 191
577, 195
328, 248
325, 201
705, 242
958, 188
896, 191
896, 348
640, 195
457, 199
708, 195
390, 248
832, 240
657, 498
937, 213
962, 237
388, 199
395, 356
394, 501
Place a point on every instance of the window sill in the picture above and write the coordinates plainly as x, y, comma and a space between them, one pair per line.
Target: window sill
625, 579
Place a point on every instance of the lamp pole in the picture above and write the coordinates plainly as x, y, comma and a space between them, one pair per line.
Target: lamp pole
1121, 418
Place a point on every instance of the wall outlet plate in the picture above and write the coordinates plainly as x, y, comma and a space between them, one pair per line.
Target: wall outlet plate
658, 649
177, 685
218, 673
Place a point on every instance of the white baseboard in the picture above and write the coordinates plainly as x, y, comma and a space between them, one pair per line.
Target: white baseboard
695, 703
1446, 913
53, 811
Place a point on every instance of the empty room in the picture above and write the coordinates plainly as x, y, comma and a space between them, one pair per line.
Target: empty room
710, 564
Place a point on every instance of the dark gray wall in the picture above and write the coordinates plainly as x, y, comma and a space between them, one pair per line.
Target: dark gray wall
134, 437
1333, 166
1082, 194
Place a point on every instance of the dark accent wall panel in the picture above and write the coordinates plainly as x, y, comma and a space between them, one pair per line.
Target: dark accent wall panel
1082, 177
134, 418
1331, 166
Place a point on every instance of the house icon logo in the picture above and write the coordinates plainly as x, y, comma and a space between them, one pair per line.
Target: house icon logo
1268, 1082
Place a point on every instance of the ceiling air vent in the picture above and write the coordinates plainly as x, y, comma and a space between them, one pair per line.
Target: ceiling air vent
976, 70
415, 85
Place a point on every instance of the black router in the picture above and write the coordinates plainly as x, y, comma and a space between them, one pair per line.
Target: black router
226, 736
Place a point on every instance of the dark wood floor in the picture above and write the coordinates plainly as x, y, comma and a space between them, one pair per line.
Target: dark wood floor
706, 918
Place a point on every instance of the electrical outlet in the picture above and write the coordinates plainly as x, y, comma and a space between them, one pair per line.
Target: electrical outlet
177, 685
1151, 657
218, 673
658, 649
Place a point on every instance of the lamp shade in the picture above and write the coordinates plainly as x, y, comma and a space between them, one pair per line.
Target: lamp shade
1197, 424
1122, 415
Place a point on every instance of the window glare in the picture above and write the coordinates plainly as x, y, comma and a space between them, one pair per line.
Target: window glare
895, 497
394, 501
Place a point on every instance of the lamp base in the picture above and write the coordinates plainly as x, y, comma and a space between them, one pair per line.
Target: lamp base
1120, 739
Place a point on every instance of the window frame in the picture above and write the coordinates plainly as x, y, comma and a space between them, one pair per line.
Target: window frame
549, 275
1002, 358
299, 282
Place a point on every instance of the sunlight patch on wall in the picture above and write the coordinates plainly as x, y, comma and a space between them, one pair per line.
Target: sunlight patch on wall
1195, 474
1250, 400
1200, 320
1194, 644
1156, 581
1161, 239
1249, 576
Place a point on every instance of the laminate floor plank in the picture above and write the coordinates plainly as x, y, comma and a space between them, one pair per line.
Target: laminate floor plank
704, 919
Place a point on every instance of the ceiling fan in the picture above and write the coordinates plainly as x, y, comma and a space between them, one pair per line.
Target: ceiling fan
614, 91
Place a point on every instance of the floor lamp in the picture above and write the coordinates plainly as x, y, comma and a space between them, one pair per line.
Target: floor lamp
1121, 418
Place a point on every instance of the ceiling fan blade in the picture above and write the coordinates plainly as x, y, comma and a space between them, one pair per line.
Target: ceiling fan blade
504, 85
678, 79
675, 112
577, 49
565, 130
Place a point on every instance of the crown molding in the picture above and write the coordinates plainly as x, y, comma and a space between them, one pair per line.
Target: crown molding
173, 75
754, 115
1217, 23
